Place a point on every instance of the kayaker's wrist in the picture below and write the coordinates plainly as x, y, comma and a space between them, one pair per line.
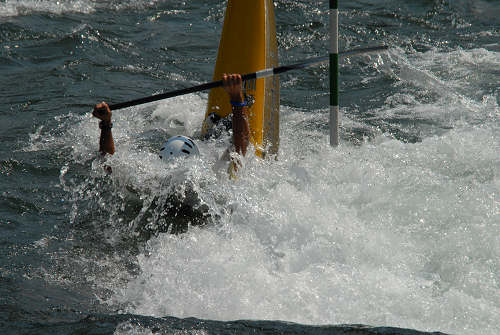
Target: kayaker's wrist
237, 98
105, 125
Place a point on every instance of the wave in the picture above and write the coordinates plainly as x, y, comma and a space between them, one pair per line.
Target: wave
26, 7
387, 231
10, 8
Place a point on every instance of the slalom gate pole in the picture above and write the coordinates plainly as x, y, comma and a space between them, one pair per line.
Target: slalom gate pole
334, 73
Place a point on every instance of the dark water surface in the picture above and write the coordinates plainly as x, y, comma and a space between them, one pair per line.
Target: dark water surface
398, 227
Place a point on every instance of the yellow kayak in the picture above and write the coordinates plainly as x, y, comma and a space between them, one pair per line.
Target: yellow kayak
248, 44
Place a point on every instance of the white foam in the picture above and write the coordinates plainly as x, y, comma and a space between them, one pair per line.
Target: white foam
386, 233
399, 234
128, 328
25, 7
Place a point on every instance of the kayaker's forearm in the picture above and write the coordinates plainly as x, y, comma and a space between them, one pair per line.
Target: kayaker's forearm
106, 142
241, 131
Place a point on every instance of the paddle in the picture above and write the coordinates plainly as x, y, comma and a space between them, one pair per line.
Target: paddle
255, 75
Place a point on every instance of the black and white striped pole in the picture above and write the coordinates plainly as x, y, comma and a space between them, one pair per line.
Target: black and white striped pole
334, 73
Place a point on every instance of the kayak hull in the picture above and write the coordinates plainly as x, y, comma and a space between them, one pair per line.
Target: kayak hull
248, 44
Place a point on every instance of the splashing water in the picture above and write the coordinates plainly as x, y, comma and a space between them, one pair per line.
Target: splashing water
398, 226
385, 232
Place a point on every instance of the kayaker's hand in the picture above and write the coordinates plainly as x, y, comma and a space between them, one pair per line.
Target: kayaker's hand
233, 85
102, 112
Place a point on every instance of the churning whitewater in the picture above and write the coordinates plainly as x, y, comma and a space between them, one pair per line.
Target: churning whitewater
384, 232
399, 226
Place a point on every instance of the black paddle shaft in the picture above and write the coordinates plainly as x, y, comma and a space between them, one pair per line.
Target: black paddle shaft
245, 77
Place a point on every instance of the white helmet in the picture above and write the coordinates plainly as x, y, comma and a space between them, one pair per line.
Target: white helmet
178, 146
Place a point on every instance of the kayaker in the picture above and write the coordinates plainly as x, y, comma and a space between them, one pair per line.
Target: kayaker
179, 214
183, 145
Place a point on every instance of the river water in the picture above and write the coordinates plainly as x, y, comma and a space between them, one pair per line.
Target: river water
397, 227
